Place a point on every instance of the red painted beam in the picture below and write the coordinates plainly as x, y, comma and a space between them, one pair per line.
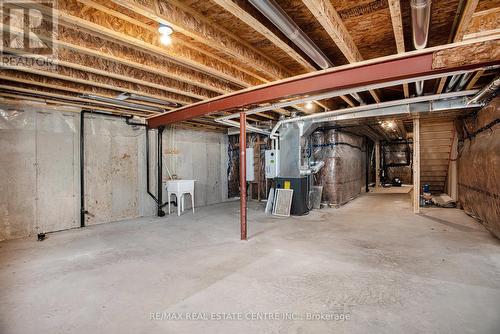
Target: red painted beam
321, 81
342, 77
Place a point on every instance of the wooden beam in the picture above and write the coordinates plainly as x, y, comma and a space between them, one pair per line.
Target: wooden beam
252, 22
74, 98
347, 100
331, 21
416, 165
194, 25
180, 41
69, 103
463, 25
397, 27
107, 69
483, 23
54, 83
70, 15
474, 79
72, 75
401, 128
97, 47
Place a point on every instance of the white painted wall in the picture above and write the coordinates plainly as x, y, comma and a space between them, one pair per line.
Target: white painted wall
39, 169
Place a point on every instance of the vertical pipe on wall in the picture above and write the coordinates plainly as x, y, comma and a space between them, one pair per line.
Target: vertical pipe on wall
147, 167
367, 165
82, 170
243, 173
377, 163
416, 165
159, 159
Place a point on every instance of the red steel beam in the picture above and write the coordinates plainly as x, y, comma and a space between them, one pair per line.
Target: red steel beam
323, 81
342, 77
243, 175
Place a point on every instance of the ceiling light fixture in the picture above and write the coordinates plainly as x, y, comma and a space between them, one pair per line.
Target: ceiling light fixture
309, 105
165, 34
165, 39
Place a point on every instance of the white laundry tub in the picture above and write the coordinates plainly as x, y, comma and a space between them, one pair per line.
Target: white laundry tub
179, 188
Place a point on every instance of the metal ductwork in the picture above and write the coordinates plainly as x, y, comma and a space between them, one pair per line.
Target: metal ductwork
420, 22
419, 87
451, 84
126, 96
463, 81
358, 98
140, 107
487, 93
274, 13
458, 82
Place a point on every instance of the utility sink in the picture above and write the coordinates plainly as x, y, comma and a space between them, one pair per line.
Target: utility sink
179, 188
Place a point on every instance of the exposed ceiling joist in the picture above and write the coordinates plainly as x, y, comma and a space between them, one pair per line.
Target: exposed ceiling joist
397, 27
474, 79
66, 96
69, 103
192, 24
244, 16
151, 28
91, 79
93, 46
465, 19
331, 21
144, 40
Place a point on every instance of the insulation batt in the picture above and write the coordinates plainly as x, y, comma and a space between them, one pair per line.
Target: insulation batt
342, 177
479, 167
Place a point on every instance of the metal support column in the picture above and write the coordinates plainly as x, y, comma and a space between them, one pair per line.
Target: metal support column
377, 163
243, 173
416, 165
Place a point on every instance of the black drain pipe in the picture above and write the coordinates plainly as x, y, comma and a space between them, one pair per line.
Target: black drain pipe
82, 171
367, 165
159, 187
127, 118
147, 168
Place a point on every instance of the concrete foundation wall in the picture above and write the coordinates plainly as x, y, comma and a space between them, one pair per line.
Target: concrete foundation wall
201, 156
40, 169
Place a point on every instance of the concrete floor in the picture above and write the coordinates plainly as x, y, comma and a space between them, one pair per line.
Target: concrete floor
373, 261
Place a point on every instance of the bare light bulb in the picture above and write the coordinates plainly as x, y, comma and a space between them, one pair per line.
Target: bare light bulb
165, 39
309, 105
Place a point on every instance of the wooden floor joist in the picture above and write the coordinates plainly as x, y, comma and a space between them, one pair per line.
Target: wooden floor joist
192, 24
331, 21
397, 27
179, 41
143, 40
463, 24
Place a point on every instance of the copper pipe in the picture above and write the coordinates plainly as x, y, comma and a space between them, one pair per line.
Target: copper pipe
243, 173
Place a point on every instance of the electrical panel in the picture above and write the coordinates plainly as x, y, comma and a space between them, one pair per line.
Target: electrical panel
250, 164
272, 163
